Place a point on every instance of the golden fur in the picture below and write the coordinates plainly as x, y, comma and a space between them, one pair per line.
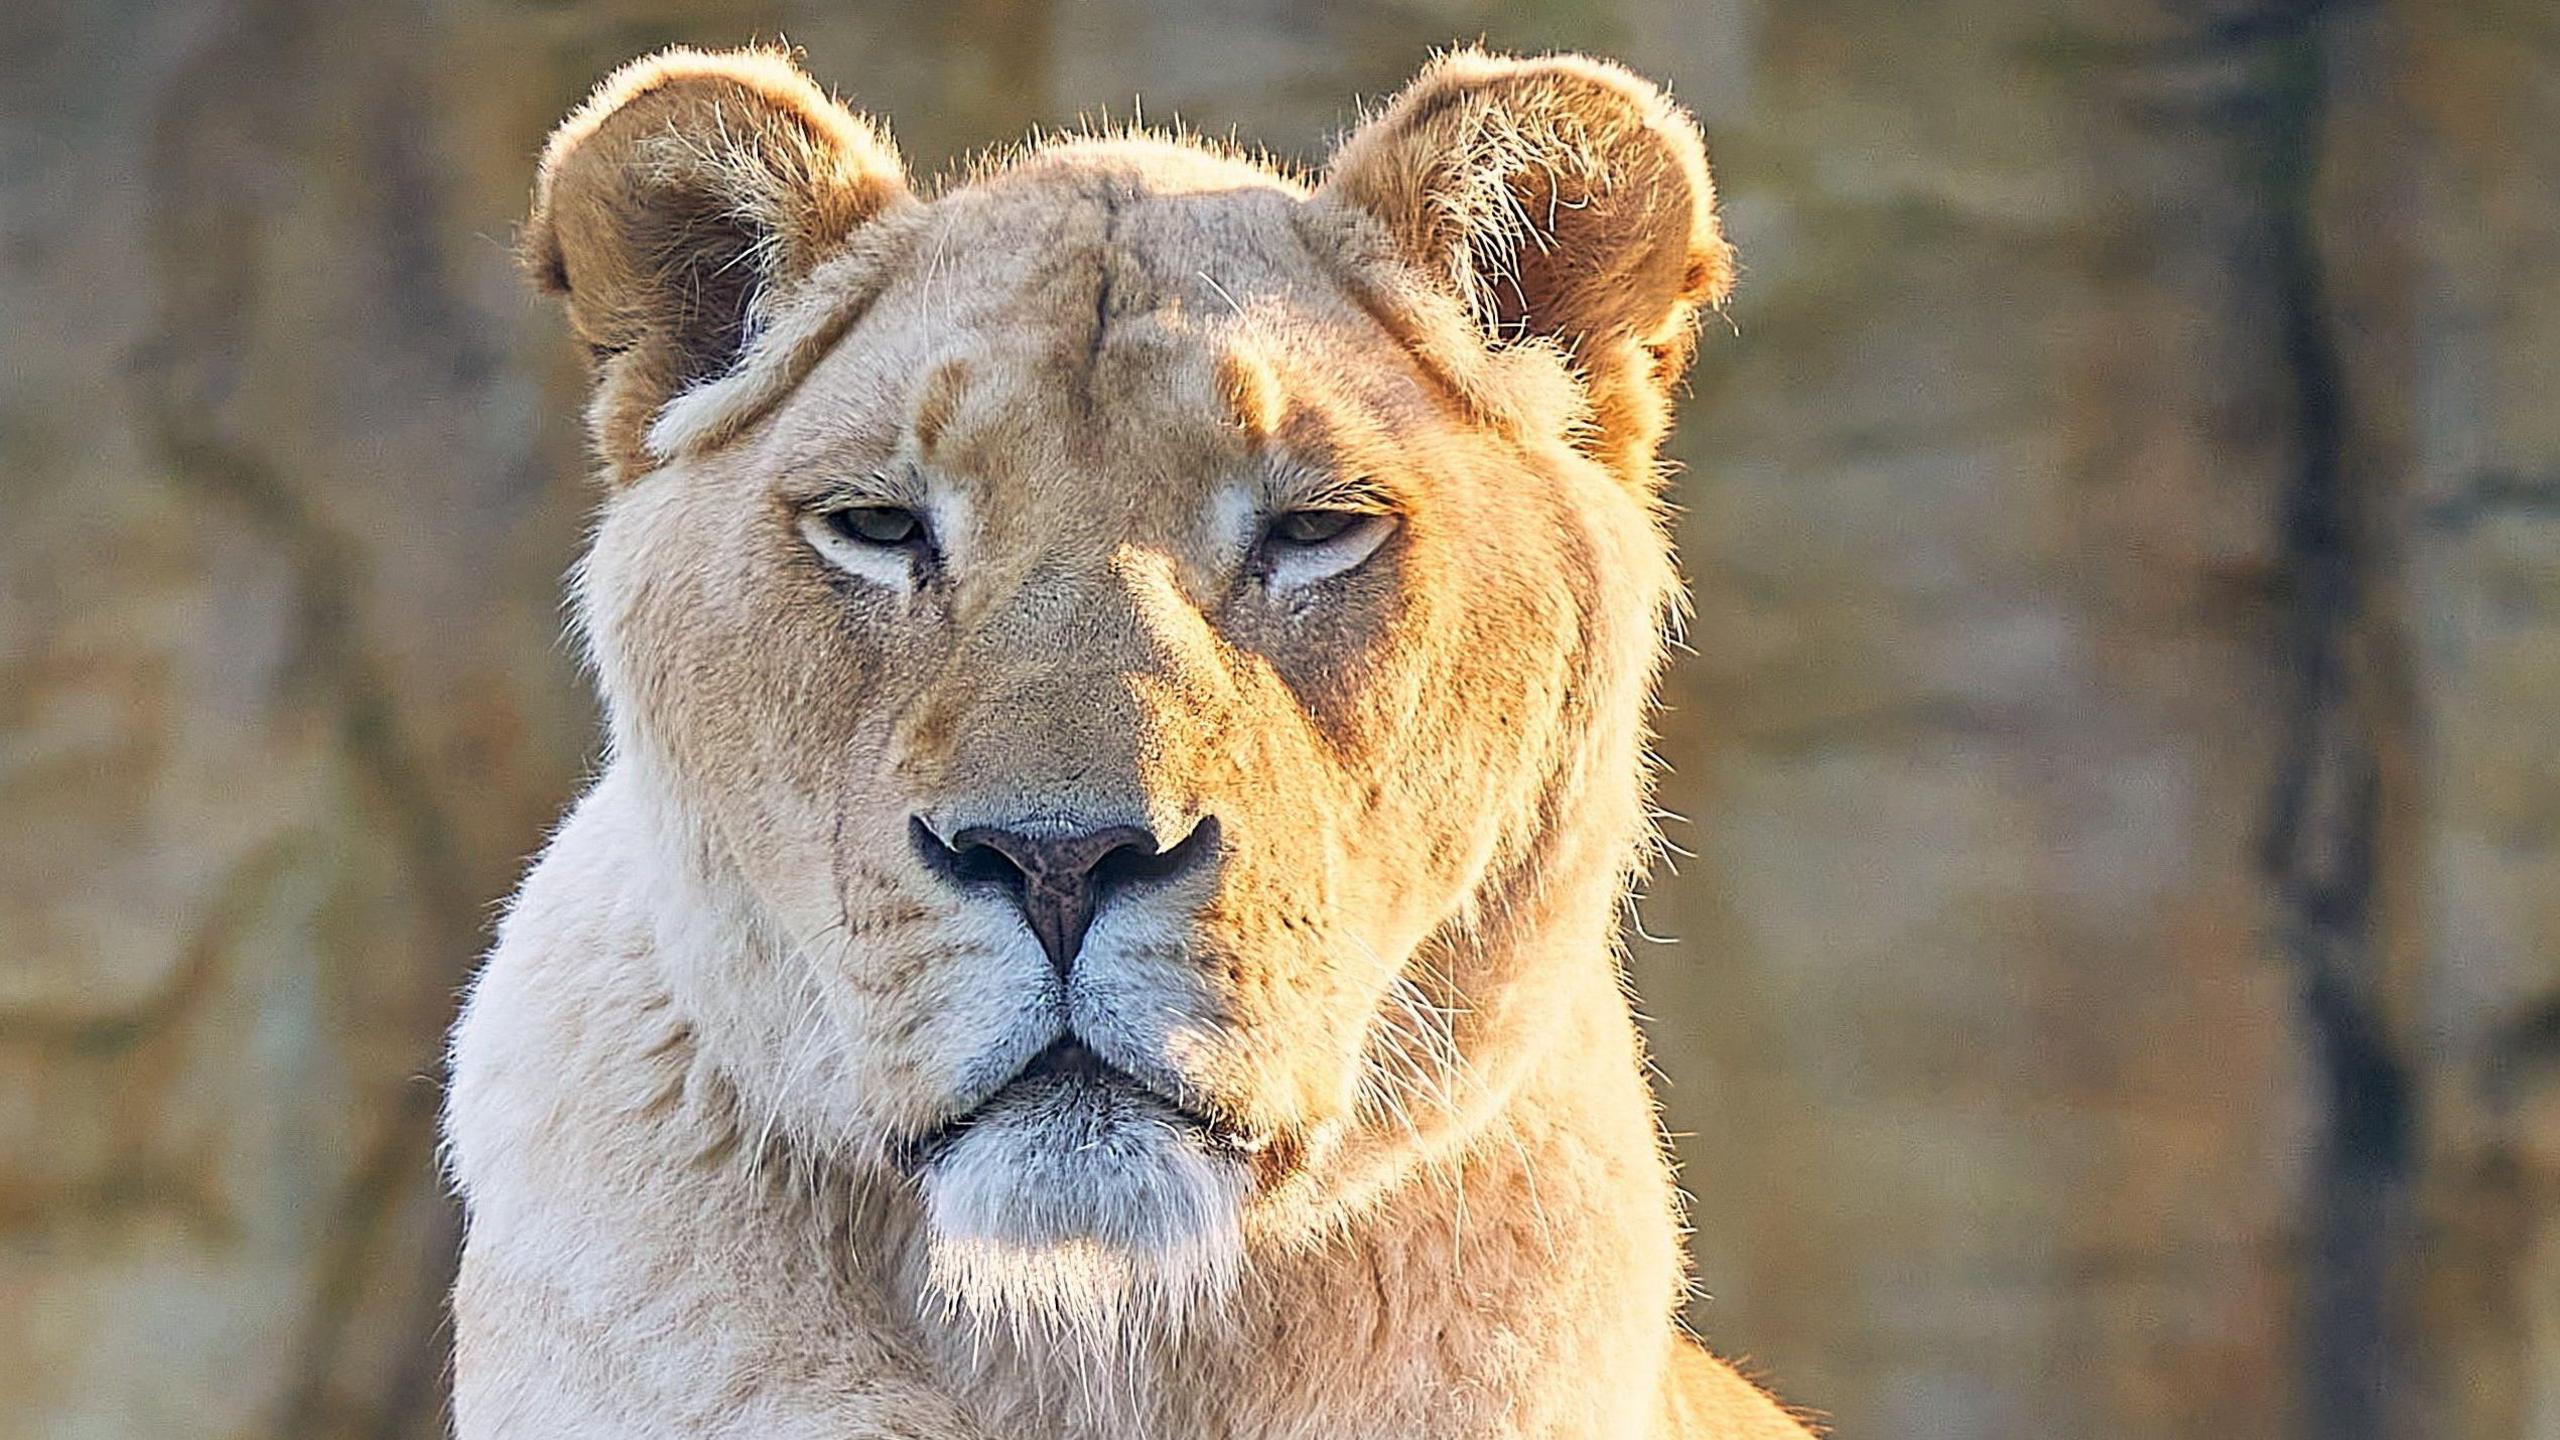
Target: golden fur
740, 1105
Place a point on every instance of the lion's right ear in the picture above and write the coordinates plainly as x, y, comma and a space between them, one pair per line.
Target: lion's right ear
687, 188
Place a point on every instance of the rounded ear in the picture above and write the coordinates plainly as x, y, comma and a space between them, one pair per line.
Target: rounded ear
1561, 198
685, 189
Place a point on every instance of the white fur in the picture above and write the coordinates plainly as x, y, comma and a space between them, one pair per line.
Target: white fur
1057, 1216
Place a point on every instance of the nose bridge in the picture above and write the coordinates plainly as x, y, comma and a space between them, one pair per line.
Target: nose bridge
1070, 701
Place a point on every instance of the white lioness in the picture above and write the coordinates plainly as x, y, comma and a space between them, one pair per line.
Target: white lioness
1127, 682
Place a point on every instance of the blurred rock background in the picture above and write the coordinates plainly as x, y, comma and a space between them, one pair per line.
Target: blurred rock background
2112, 983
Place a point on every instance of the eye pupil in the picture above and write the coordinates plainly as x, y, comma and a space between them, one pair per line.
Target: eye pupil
877, 524
1314, 527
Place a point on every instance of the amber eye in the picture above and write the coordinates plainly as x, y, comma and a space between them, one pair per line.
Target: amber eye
1315, 527
887, 526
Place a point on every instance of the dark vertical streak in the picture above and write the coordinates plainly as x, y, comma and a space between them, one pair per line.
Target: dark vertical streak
2322, 844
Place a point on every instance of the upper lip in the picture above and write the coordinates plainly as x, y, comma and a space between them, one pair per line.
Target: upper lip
1066, 1055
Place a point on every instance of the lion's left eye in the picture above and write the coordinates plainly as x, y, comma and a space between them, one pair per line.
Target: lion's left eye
1300, 547
1315, 527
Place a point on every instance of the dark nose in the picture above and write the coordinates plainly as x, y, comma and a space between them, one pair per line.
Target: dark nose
1058, 880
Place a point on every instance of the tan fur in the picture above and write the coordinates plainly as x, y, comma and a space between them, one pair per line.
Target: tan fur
1381, 1159
1562, 197
685, 190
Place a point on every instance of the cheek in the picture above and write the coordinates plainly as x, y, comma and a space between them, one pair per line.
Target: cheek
737, 655
1265, 1017
1334, 646
1454, 682
1313, 999
947, 1007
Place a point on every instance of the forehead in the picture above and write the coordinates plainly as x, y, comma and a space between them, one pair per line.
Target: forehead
1129, 305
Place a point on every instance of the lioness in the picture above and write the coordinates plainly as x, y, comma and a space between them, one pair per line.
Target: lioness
1127, 684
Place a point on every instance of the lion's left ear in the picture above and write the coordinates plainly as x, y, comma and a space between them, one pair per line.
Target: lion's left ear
1561, 198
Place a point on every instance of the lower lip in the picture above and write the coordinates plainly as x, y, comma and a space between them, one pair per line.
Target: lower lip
1068, 1062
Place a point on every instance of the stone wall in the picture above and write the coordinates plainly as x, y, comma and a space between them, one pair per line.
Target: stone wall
2111, 979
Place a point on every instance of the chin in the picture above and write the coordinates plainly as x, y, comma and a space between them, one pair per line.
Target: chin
1076, 1202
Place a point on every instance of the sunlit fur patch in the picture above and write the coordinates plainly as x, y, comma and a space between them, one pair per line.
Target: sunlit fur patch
1251, 392
1085, 1212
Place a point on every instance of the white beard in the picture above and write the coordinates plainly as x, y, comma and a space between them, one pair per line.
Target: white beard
1082, 1210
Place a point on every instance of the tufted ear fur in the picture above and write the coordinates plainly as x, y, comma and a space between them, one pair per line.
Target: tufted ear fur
686, 190
1563, 199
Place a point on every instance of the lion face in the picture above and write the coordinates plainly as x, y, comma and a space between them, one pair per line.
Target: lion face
1140, 652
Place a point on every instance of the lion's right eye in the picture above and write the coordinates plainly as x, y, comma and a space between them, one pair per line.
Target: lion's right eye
882, 543
877, 524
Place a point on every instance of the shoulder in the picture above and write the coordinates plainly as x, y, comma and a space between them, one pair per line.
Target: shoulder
1711, 1400
568, 1020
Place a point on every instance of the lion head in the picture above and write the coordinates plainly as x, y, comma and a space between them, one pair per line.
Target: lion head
1138, 658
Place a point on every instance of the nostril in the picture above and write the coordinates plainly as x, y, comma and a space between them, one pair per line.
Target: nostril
1140, 863
965, 859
